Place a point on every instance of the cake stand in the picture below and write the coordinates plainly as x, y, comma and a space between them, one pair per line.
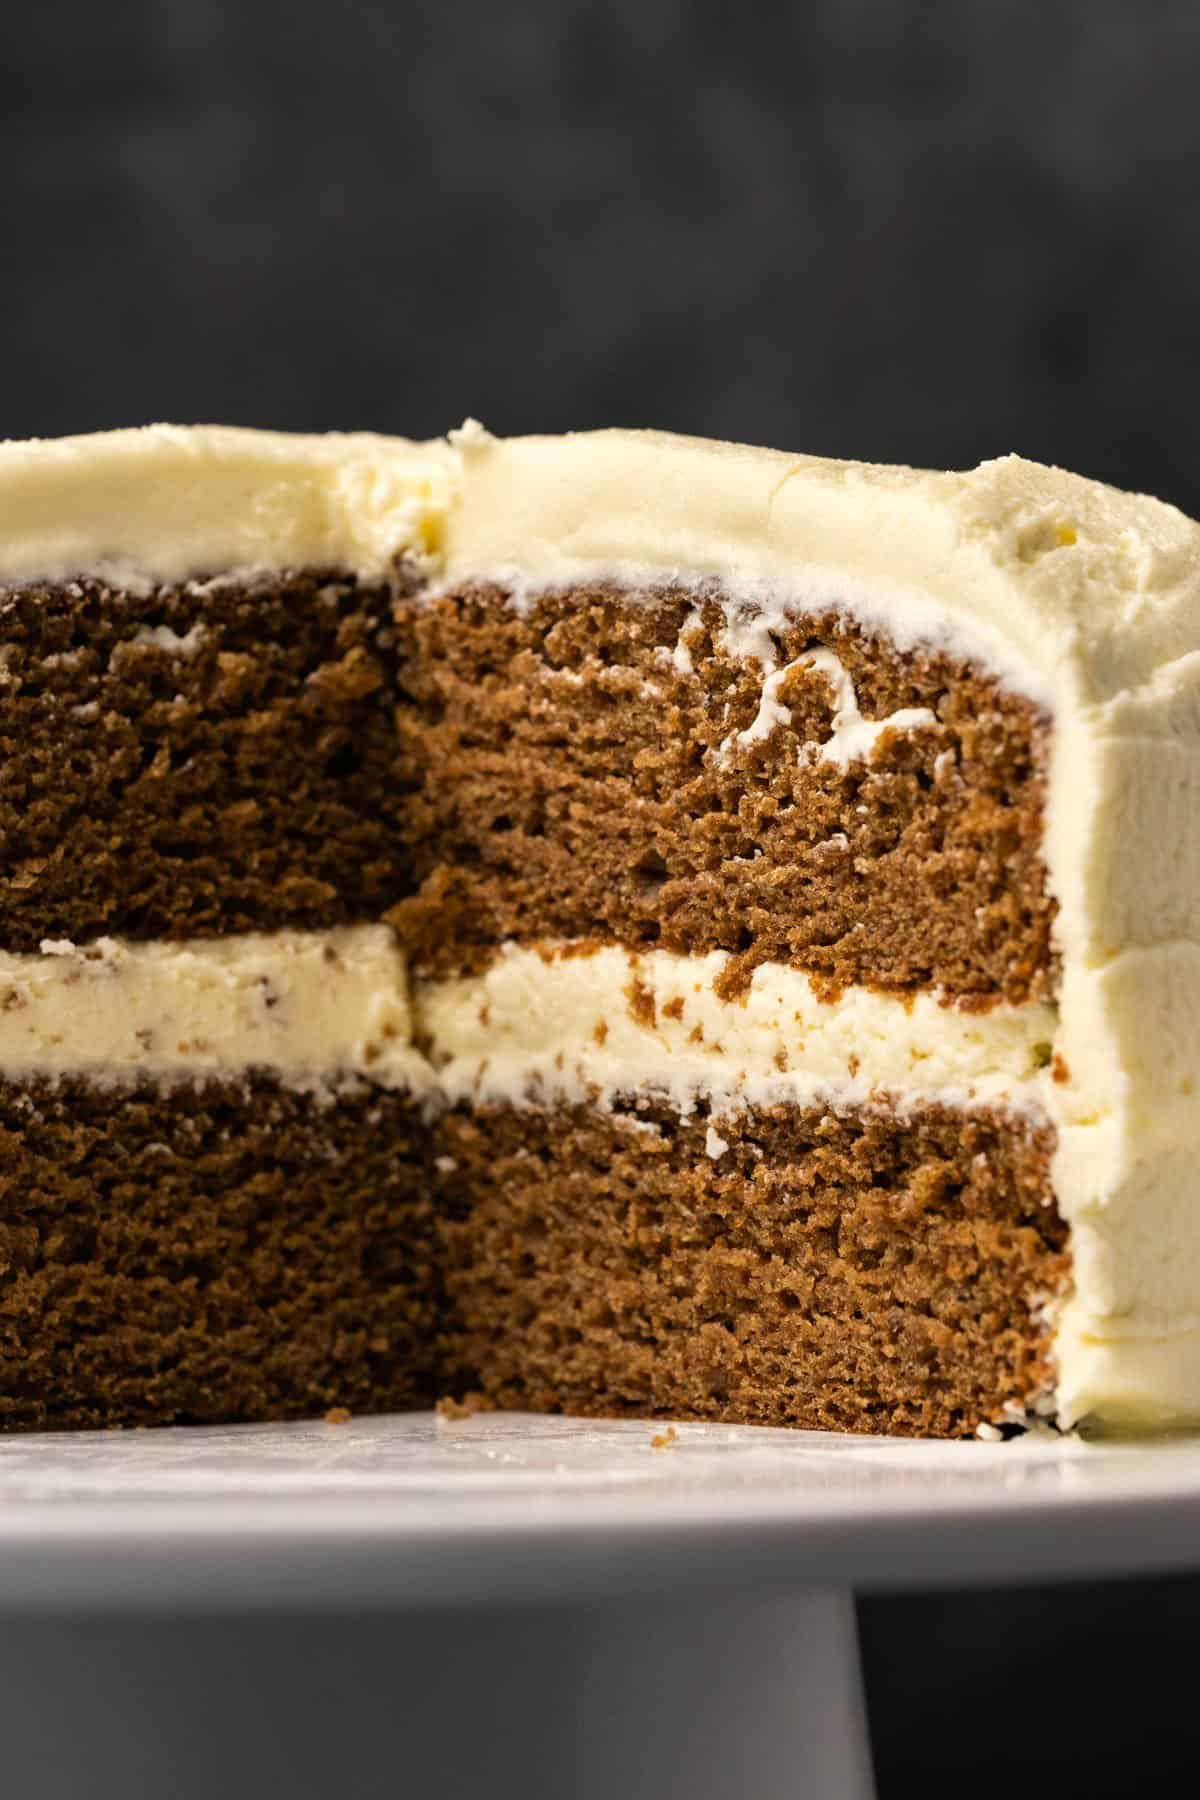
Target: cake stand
505, 1604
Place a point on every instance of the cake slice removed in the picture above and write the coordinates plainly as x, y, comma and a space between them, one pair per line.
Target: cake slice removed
680, 930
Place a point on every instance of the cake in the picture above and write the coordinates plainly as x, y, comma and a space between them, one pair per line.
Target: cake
616, 923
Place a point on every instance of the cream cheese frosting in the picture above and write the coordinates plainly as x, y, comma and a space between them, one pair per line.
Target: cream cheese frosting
579, 1024
1082, 597
169, 503
309, 1006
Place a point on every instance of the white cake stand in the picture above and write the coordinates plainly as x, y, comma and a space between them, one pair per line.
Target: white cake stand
508, 1605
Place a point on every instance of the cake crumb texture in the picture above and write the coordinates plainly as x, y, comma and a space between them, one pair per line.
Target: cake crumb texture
604, 766
850, 1270
193, 1255
594, 767
195, 761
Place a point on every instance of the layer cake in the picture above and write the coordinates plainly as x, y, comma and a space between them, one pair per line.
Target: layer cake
618, 923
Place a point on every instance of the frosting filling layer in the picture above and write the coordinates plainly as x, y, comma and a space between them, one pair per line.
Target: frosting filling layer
305, 1005
577, 1022
572, 1021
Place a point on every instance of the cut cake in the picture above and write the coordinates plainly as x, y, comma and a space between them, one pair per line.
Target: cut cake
618, 923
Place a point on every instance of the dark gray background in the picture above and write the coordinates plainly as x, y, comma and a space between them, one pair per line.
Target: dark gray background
928, 230
918, 230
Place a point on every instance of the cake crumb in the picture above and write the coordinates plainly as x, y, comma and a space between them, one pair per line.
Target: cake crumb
1059, 1069
448, 1407
338, 1415
642, 1006
663, 1440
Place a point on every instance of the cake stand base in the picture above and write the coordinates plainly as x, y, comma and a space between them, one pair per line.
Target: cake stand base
561, 1609
753, 1696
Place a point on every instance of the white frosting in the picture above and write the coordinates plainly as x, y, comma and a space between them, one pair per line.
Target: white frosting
168, 502
851, 736
1082, 597
306, 1005
607, 1023
580, 1024
162, 637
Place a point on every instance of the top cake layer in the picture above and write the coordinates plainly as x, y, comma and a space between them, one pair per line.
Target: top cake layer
1056, 581
1058, 578
1076, 595
613, 762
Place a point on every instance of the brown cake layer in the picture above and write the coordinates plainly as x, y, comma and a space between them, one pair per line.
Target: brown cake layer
567, 780
844, 1270
509, 773
245, 784
237, 1251
243, 1251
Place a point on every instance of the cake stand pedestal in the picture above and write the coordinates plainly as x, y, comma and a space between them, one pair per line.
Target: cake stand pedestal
551, 1608
701, 1697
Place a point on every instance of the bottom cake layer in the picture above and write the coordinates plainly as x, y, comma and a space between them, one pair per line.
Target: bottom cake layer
245, 1250
237, 1250
853, 1271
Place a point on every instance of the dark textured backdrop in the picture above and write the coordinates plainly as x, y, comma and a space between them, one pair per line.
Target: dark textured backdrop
927, 230
924, 230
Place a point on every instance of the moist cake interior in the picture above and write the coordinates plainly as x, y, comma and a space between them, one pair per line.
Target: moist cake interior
576, 772
596, 768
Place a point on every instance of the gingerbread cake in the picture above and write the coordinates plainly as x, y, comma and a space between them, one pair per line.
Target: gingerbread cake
616, 923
